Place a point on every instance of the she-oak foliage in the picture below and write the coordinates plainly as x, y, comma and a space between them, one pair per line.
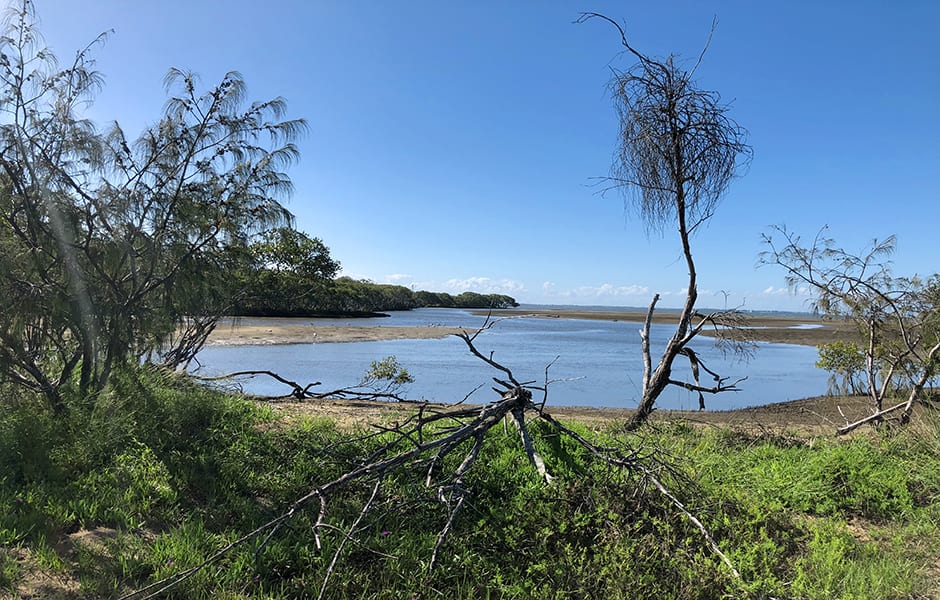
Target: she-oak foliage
677, 153
108, 243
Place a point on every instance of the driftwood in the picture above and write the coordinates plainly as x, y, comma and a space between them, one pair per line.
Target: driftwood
298, 392
368, 388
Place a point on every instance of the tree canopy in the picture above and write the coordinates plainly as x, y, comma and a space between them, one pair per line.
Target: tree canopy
110, 243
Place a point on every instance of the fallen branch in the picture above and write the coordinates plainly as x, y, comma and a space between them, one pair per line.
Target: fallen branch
877, 416
419, 445
299, 392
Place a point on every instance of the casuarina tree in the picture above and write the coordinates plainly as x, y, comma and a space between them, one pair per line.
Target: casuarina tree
678, 152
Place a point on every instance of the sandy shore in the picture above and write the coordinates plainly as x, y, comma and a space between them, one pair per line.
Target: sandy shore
307, 333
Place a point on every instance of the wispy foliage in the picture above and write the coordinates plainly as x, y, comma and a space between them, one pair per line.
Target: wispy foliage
677, 153
109, 243
898, 317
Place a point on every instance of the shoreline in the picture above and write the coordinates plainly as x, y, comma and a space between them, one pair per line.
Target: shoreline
774, 329
806, 331
282, 333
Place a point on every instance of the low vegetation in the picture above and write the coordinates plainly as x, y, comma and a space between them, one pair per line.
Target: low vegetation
103, 503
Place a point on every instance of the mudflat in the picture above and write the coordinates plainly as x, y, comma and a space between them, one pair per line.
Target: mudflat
777, 329
307, 333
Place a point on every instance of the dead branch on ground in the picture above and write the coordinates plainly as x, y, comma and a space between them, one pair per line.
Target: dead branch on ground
382, 381
420, 443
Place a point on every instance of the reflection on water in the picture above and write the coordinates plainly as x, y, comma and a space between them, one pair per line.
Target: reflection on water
597, 363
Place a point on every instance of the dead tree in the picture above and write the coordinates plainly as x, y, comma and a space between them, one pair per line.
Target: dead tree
677, 155
418, 447
897, 317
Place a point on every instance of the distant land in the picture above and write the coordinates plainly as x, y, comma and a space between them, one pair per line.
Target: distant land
778, 327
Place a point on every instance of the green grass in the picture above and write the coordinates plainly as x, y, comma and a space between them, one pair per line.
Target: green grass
180, 471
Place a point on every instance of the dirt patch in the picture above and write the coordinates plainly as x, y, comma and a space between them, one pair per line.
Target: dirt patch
39, 583
48, 583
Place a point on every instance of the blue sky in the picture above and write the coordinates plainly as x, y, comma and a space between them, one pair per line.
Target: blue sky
455, 145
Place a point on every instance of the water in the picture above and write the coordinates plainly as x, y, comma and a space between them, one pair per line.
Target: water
596, 363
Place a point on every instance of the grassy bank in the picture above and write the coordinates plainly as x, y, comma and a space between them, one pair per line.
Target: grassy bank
158, 474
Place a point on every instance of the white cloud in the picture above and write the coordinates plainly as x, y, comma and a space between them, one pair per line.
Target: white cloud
397, 277
680, 292
605, 290
782, 291
485, 285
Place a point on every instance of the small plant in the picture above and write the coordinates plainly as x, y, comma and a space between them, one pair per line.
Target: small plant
845, 363
387, 370
385, 379
127, 492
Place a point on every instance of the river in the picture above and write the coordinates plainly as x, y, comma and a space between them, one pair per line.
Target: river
596, 363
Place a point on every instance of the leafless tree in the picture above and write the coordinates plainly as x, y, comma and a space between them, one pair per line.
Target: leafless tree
898, 317
677, 155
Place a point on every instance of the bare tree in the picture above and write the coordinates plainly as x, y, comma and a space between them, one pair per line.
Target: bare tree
897, 317
677, 155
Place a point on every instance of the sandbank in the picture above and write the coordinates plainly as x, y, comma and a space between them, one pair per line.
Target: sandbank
310, 333
783, 329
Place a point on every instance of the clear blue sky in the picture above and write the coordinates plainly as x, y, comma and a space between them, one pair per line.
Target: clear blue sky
453, 145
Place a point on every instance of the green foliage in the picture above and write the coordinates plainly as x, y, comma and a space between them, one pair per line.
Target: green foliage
181, 471
835, 480
279, 284
388, 370
286, 250
351, 296
133, 489
108, 243
291, 275
845, 362
838, 566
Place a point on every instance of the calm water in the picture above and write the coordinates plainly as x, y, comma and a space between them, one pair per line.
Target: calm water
598, 362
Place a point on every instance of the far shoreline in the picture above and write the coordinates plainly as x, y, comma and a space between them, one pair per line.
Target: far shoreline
774, 329
276, 333
777, 329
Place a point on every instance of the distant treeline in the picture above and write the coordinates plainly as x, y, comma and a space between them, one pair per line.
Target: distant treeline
350, 297
286, 273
